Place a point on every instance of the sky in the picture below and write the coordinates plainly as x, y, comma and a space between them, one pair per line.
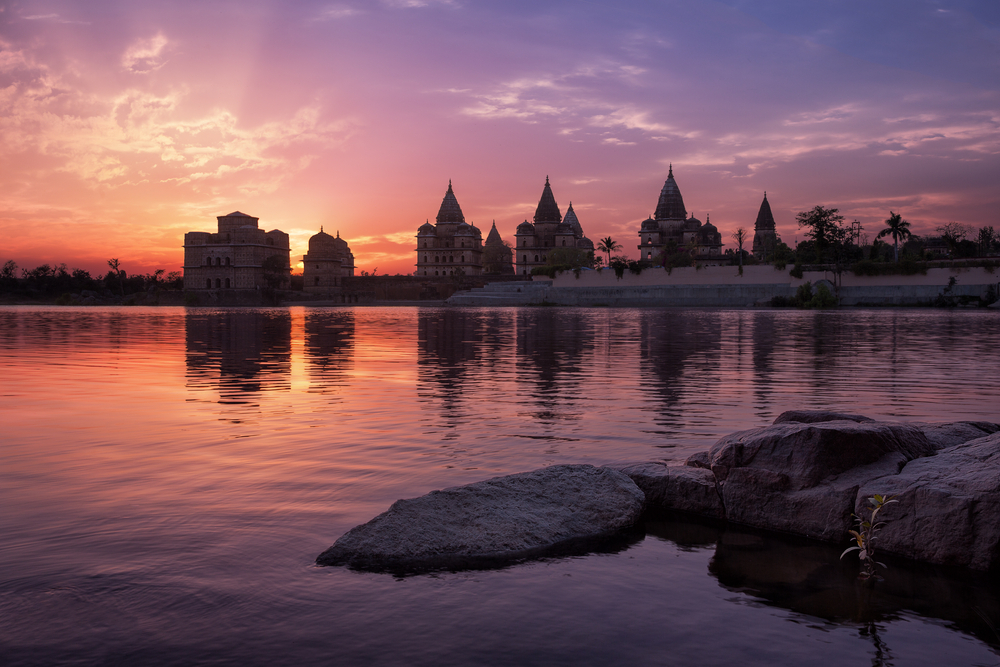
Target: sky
124, 125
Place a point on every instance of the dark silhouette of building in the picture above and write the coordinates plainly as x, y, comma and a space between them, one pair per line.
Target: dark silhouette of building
670, 229
498, 258
550, 231
327, 263
240, 256
451, 246
765, 237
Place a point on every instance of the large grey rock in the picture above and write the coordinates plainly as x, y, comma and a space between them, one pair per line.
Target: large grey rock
816, 416
803, 478
949, 506
673, 487
490, 522
801, 455
949, 434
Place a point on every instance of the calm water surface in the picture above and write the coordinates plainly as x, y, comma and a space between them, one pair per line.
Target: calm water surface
167, 477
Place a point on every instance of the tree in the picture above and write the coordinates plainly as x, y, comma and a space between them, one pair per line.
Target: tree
740, 236
898, 229
953, 233
116, 267
608, 245
824, 227
276, 271
986, 237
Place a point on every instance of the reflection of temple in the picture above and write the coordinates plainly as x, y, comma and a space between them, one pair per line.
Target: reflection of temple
678, 350
551, 348
329, 349
238, 351
670, 230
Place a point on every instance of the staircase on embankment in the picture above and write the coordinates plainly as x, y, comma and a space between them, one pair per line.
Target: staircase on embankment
503, 294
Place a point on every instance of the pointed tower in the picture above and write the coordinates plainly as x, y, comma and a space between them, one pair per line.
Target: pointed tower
547, 210
765, 237
451, 246
497, 257
450, 211
670, 205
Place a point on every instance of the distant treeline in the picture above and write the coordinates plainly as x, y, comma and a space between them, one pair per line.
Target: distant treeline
47, 282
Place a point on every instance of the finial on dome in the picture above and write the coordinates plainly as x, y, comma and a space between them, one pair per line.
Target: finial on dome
338, 233
546, 179
708, 216
321, 229
765, 194
670, 174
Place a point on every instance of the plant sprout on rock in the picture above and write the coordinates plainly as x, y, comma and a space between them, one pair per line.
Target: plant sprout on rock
865, 537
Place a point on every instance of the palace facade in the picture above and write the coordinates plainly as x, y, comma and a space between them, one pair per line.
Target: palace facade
670, 230
327, 263
549, 232
451, 246
239, 256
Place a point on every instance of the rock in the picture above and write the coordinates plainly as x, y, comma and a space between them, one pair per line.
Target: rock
949, 434
816, 416
803, 478
948, 509
673, 487
493, 521
699, 460
804, 454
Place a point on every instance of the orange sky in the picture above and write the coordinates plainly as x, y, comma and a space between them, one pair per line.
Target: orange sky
121, 128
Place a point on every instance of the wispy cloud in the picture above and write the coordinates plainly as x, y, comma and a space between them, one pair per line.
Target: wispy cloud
145, 55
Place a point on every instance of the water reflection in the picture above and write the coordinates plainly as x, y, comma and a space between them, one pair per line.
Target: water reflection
329, 349
809, 578
238, 351
554, 358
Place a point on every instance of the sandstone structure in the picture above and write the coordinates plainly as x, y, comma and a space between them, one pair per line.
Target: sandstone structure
327, 263
765, 236
451, 246
549, 234
493, 522
669, 230
239, 256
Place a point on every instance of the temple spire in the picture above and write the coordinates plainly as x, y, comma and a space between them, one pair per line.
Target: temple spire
450, 211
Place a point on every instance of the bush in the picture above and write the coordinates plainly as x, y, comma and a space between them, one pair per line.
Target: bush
796, 271
822, 299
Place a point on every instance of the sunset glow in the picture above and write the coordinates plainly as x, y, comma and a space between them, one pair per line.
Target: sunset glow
124, 126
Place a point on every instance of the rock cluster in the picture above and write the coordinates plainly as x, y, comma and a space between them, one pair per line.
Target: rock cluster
806, 474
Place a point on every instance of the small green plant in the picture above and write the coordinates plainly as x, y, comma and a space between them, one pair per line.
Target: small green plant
864, 536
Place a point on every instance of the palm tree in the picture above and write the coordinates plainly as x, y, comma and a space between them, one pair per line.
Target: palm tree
898, 229
608, 245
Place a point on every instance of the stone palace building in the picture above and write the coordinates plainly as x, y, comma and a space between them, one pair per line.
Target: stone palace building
327, 263
451, 246
549, 231
239, 256
670, 229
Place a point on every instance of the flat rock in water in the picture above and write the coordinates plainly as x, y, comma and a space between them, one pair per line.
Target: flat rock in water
948, 508
816, 416
493, 521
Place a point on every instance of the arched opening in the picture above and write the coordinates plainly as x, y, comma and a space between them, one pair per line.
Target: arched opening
425, 259
463, 259
218, 261
317, 280
227, 283
208, 261
218, 283
436, 273
227, 261
524, 259
564, 241
425, 273
649, 255
208, 283
451, 259
536, 258
437, 260
425, 244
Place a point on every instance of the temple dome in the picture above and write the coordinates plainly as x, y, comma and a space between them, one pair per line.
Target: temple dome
765, 220
670, 205
525, 228
426, 229
649, 225
547, 210
450, 211
494, 238
573, 221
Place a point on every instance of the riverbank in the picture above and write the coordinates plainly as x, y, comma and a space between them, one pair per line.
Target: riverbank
728, 286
